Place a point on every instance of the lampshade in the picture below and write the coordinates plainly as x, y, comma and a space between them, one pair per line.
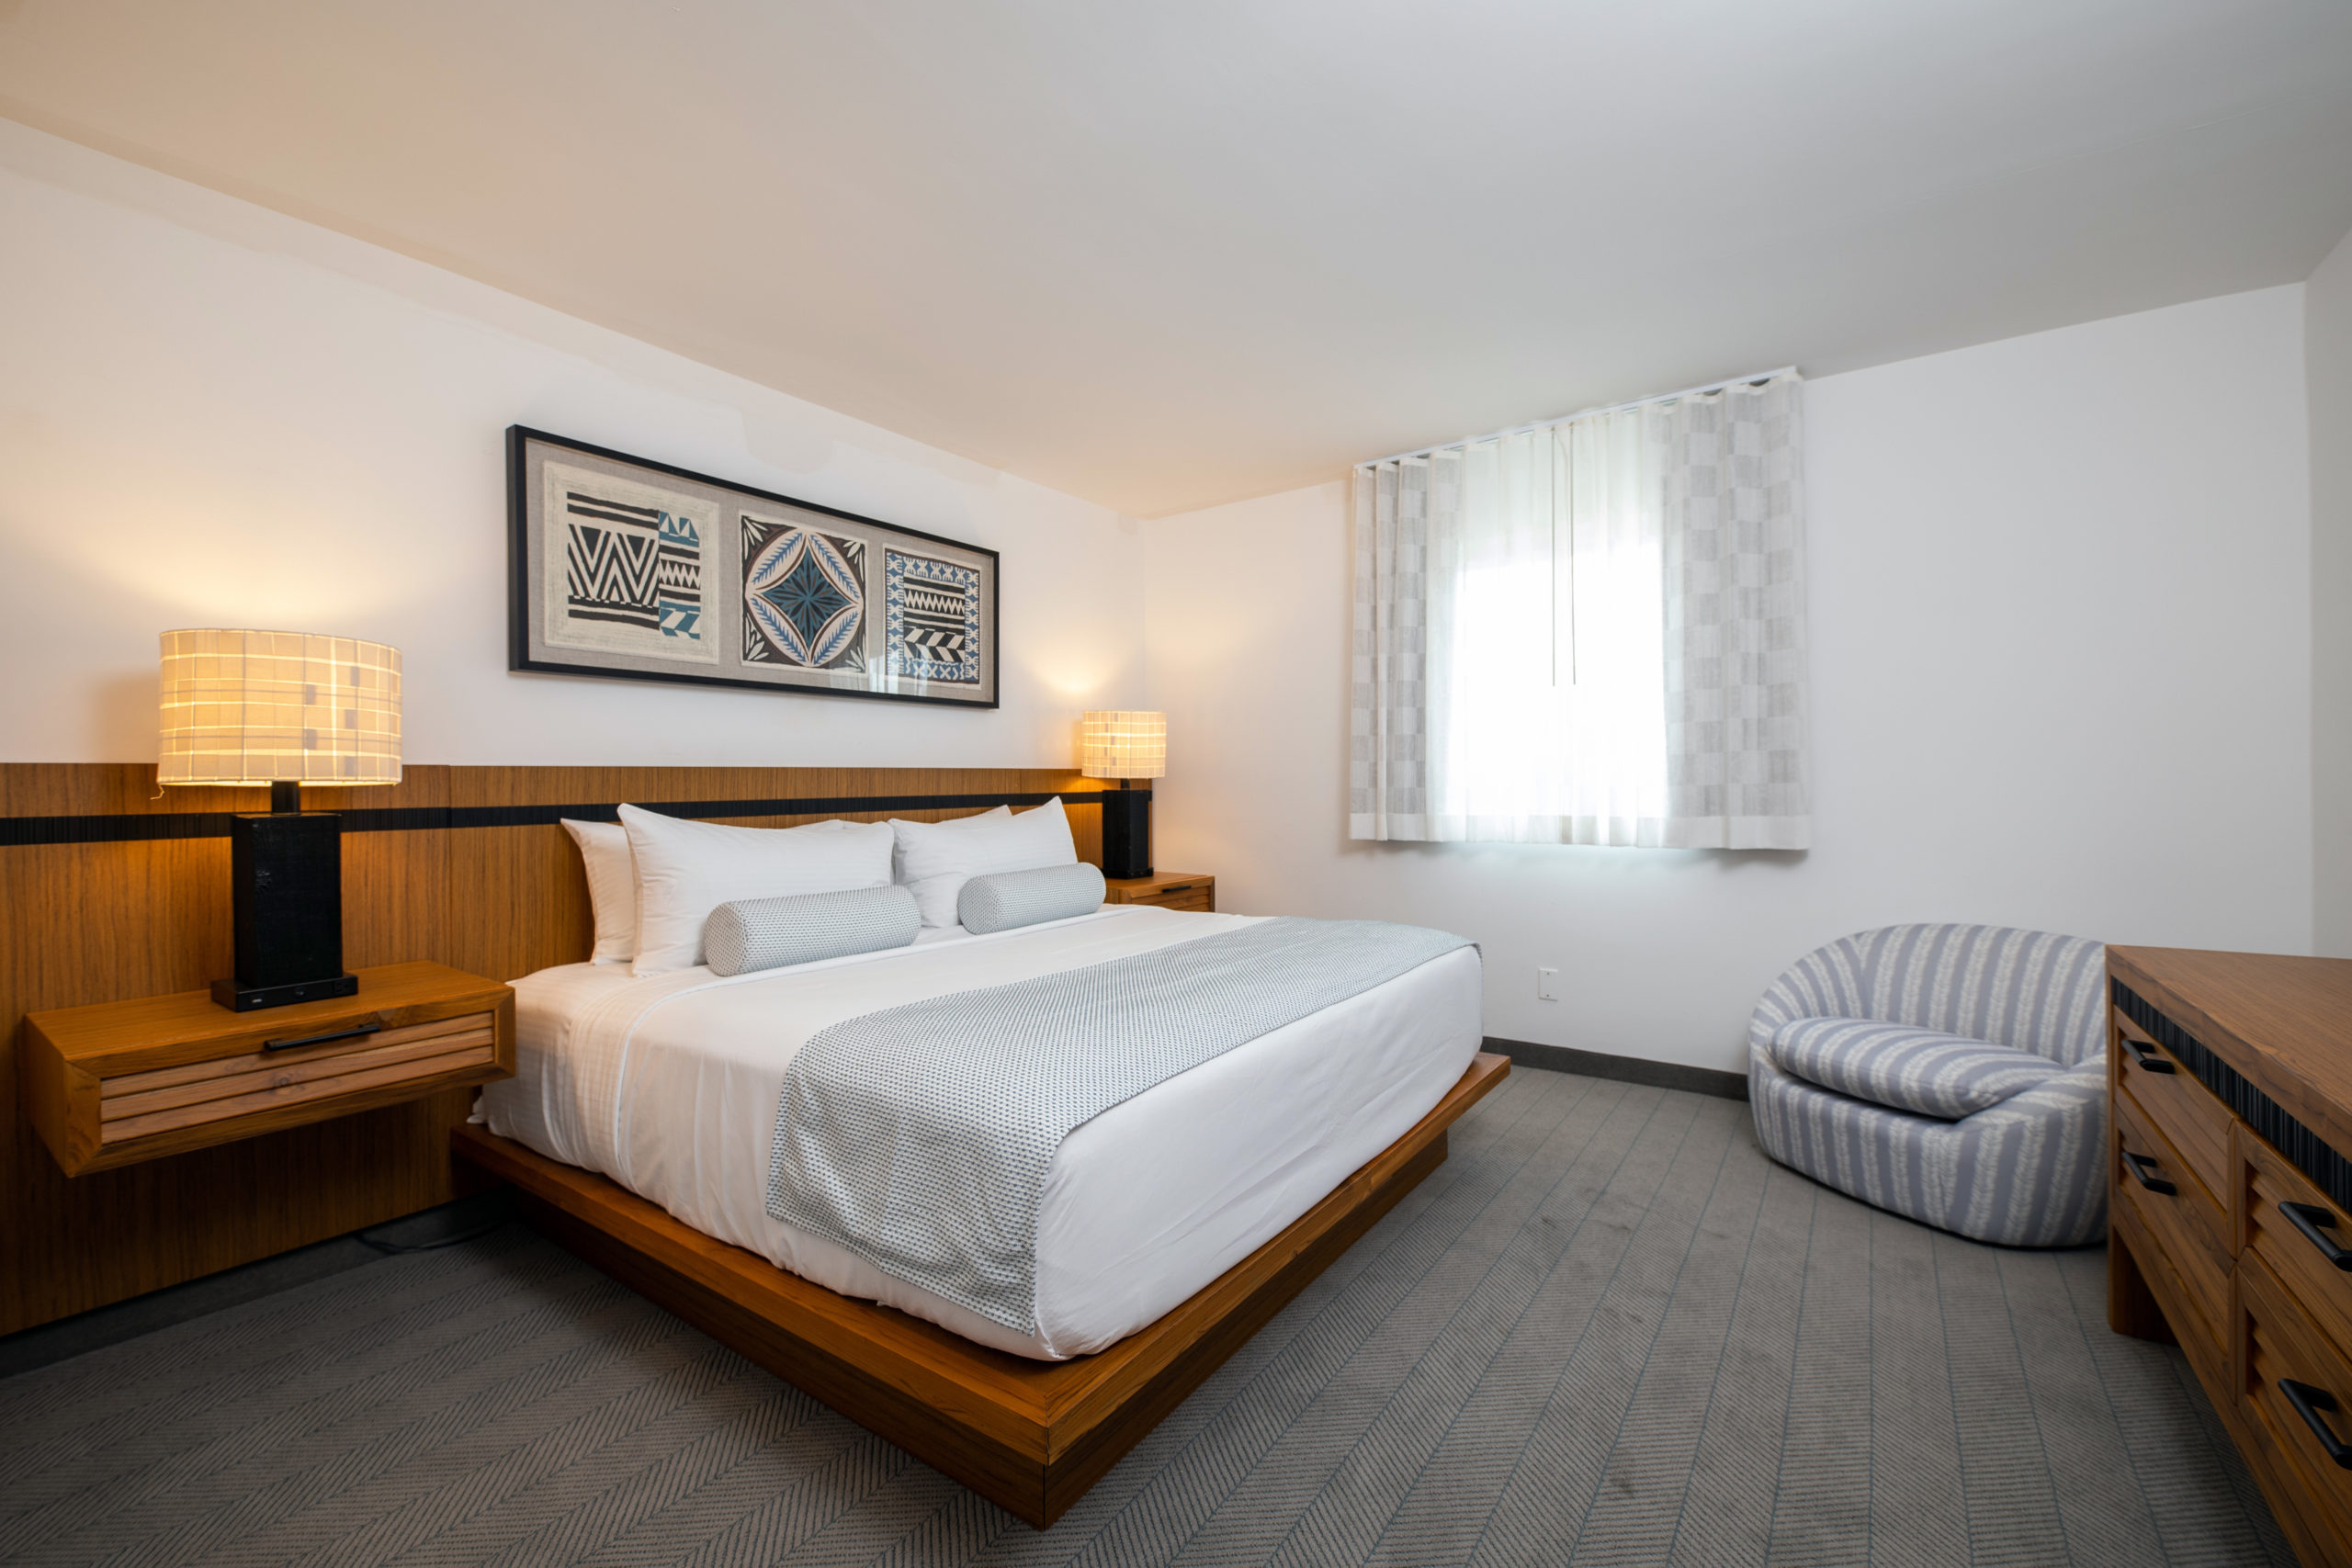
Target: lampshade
1117, 743
249, 707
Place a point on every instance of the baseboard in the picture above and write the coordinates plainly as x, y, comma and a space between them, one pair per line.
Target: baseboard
1623, 1069
48, 1343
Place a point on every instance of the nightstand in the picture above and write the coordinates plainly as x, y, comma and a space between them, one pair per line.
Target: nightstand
126, 1081
1168, 889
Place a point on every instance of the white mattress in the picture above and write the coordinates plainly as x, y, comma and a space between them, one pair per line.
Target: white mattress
669, 1085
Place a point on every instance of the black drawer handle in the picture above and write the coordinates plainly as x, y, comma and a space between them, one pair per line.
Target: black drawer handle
2147, 1061
353, 1032
2140, 1165
2308, 1403
2309, 1218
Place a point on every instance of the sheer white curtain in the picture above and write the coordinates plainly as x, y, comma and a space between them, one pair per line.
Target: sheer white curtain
1590, 633
1545, 650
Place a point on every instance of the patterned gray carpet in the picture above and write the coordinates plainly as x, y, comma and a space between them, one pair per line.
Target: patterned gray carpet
1607, 1331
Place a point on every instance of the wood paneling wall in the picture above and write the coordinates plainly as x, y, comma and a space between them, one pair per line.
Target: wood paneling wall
95, 922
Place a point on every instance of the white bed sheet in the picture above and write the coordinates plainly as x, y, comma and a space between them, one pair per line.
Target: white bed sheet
669, 1085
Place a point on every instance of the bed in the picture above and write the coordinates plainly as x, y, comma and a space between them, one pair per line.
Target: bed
640, 1128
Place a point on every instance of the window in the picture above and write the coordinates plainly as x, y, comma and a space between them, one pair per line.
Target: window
1590, 632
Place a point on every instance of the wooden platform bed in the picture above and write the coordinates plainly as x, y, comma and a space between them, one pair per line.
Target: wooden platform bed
1031, 1436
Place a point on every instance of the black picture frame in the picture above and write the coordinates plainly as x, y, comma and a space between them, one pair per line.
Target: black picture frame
527, 650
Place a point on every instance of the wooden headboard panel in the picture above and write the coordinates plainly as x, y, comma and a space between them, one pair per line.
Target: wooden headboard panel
109, 892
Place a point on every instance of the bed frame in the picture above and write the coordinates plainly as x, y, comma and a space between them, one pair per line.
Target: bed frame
1031, 1436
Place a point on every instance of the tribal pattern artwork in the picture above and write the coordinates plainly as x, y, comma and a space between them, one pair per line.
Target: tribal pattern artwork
804, 597
627, 568
631, 566
932, 619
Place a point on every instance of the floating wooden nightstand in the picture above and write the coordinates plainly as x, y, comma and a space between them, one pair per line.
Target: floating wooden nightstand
122, 1082
1169, 890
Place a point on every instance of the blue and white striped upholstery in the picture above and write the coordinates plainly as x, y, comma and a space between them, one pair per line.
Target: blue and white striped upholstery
1920, 1070
1004, 899
768, 933
2031, 1170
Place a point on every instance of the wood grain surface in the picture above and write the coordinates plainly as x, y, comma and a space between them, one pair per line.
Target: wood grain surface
102, 922
1030, 1435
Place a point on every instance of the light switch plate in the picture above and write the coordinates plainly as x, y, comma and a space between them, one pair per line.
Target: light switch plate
1547, 984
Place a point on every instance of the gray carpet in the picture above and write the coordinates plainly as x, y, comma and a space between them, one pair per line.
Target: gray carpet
1607, 1331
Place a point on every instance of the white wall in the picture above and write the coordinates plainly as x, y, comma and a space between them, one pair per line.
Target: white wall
2327, 354
214, 414
2060, 679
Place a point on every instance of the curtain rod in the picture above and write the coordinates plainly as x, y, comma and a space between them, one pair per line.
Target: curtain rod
1747, 380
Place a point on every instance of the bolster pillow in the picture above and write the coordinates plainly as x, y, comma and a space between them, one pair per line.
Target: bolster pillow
1008, 898
768, 933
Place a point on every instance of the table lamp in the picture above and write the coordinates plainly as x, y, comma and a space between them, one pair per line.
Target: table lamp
283, 709
1126, 746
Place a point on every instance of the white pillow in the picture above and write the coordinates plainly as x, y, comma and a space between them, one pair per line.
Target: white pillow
935, 858
995, 813
684, 870
612, 888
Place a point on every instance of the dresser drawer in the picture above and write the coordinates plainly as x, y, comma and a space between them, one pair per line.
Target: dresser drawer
2301, 1256
2294, 1391
2155, 1185
2184, 1110
2204, 1340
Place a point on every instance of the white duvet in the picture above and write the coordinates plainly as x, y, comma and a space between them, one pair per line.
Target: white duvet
669, 1085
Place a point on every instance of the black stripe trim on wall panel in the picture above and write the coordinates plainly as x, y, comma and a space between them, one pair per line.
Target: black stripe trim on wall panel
122, 828
2329, 1170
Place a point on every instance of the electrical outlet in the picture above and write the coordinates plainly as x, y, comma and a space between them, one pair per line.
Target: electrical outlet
1547, 985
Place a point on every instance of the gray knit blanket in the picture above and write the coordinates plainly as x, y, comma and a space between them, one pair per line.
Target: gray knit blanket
917, 1137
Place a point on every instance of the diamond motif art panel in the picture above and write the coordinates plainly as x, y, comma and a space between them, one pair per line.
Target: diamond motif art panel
804, 597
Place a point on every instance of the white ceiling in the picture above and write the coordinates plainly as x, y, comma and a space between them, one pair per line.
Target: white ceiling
1163, 255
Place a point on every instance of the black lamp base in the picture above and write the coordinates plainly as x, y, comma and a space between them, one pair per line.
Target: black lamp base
1126, 832
285, 911
237, 997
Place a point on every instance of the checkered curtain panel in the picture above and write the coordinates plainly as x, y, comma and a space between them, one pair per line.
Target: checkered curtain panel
1588, 633
1737, 752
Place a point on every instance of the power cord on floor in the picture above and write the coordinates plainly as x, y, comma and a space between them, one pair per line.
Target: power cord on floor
398, 1247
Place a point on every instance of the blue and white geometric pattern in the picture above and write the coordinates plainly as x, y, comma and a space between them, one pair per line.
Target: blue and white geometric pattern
679, 597
932, 610
804, 597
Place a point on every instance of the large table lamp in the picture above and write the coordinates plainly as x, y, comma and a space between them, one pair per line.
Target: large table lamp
282, 709
1125, 745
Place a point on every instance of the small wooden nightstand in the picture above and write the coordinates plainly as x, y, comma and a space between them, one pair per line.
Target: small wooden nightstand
126, 1081
1168, 889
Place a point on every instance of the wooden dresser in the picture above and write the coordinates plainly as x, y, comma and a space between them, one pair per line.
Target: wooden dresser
2230, 1212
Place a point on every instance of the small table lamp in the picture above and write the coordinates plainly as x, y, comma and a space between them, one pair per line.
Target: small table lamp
1126, 746
282, 709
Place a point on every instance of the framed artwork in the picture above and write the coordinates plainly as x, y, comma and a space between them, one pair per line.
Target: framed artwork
635, 570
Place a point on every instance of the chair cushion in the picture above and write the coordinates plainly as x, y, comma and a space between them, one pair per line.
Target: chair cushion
1919, 1070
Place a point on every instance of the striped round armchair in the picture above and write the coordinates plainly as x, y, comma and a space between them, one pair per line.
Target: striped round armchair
1956, 1075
